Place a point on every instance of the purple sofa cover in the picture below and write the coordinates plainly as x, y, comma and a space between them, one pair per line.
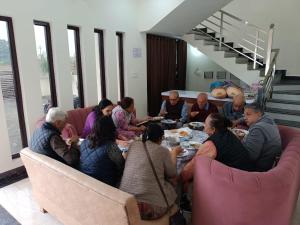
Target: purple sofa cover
226, 196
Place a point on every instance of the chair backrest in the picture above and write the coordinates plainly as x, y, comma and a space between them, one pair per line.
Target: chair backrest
77, 118
75, 198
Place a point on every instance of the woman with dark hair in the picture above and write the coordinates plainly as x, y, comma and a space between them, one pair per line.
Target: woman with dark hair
138, 177
221, 145
104, 108
100, 156
125, 120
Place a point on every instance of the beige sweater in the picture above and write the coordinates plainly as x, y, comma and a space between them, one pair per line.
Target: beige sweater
138, 178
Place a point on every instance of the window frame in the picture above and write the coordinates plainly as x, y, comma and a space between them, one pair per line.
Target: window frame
17, 83
78, 63
120, 36
53, 93
102, 75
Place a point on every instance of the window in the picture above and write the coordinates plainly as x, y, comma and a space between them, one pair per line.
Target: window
121, 65
100, 63
45, 58
76, 68
11, 88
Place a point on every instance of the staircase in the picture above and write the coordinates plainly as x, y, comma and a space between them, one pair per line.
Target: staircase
241, 48
284, 105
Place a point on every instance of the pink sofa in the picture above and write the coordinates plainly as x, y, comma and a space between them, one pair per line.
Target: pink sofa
75, 121
228, 196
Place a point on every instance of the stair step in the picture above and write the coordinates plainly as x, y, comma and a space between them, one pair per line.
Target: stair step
285, 97
241, 60
212, 34
284, 116
202, 37
230, 44
223, 48
283, 105
257, 66
283, 111
287, 123
203, 29
219, 39
284, 101
284, 87
211, 42
230, 54
288, 92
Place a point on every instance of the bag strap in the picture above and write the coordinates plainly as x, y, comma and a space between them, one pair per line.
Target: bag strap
155, 174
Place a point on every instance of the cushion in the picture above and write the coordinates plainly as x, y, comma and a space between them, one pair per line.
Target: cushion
219, 93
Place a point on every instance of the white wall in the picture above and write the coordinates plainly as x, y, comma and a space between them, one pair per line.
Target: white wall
285, 15
197, 64
151, 12
111, 16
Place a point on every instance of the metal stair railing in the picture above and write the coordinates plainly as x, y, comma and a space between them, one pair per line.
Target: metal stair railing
266, 90
253, 39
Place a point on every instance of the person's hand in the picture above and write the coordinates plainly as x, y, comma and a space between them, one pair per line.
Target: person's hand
122, 137
73, 139
142, 128
176, 150
163, 113
193, 114
146, 118
235, 123
124, 154
122, 143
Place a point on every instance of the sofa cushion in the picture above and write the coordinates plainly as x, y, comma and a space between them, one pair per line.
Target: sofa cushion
77, 118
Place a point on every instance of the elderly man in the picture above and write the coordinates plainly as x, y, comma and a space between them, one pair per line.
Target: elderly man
202, 108
46, 140
263, 141
174, 108
234, 111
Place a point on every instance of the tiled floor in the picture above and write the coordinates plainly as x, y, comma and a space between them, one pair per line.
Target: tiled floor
17, 200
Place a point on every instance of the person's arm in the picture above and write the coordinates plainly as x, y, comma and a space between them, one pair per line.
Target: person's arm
184, 113
254, 142
170, 162
70, 154
194, 111
227, 111
163, 110
115, 155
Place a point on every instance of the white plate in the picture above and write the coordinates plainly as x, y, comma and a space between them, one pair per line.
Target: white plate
192, 143
184, 153
196, 124
168, 121
157, 118
236, 131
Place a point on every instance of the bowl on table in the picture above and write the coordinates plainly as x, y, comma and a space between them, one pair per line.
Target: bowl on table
196, 126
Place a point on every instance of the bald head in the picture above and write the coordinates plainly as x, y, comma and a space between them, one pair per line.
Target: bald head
202, 100
238, 102
174, 97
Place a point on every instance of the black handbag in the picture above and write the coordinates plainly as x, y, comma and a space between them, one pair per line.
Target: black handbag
177, 218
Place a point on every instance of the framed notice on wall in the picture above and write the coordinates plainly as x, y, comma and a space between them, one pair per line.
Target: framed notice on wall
208, 75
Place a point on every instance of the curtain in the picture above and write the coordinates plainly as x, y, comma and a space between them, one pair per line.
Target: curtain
166, 68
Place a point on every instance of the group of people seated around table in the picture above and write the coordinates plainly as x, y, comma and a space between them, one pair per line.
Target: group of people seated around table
109, 126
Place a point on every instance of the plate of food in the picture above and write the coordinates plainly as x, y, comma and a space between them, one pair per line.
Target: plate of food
194, 144
241, 133
196, 125
183, 133
168, 121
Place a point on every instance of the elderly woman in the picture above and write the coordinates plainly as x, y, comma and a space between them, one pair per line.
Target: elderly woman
138, 177
125, 121
104, 108
222, 145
